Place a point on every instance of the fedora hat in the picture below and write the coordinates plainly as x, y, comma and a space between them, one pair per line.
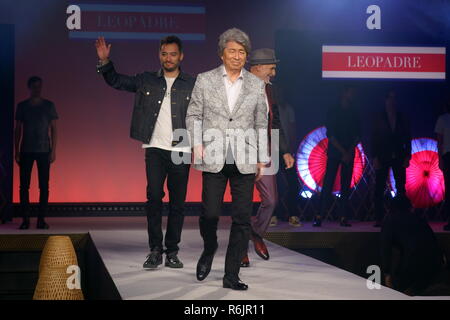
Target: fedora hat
263, 56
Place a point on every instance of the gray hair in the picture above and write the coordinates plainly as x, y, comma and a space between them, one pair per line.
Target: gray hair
235, 35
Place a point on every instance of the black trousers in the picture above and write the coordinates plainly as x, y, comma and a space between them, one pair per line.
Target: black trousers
27, 160
289, 197
446, 158
241, 186
328, 182
381, 176
159, 166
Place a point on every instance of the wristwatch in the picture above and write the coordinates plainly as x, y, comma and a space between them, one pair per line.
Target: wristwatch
102, 63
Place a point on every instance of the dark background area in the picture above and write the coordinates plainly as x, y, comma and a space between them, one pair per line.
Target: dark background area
6, 118
301, 76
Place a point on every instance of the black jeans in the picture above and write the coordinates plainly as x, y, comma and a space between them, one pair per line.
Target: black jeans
328, 182
27, 160
381, 175
159, 166
446, 171
241, 186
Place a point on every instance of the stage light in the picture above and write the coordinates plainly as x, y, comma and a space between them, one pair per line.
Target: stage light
306, 194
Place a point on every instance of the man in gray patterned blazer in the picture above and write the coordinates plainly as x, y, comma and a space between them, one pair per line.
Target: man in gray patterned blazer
227, 123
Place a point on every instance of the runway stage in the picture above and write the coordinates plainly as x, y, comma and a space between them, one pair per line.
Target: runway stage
122, 245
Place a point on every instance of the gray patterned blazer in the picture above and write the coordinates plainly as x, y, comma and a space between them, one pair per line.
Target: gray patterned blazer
210, 122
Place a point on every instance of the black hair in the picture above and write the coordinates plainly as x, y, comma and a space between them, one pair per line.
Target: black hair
32, 80
171, 39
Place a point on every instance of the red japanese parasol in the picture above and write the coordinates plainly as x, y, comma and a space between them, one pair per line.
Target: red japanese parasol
312, 161
424, 180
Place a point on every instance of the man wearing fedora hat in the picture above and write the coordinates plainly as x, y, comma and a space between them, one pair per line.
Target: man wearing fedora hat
263, 64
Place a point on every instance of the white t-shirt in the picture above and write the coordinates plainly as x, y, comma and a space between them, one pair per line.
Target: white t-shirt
443, 127
163, 133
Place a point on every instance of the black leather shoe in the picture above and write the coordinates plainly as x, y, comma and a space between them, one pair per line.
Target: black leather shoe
154, 259
447, 227
204, 263
172, 261
344, 223
317, 222
25, 224
41, 224
234, 285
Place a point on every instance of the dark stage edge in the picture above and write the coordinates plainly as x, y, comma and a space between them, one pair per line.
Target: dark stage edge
112, 209
306, 262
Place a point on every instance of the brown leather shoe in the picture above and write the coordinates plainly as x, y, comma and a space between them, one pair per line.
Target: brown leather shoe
245, 263
260, 247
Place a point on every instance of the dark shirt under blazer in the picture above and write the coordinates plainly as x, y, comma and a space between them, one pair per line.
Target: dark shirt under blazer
274, 119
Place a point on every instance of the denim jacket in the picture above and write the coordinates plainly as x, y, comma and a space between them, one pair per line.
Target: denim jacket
150, 88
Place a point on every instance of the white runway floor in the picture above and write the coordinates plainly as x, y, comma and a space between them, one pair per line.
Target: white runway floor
122, 244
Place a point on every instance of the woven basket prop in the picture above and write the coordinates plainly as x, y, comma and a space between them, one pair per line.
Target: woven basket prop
58, 252
55, 283
52, 285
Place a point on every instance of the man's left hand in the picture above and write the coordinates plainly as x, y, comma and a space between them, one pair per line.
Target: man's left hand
288, 160
259, 170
